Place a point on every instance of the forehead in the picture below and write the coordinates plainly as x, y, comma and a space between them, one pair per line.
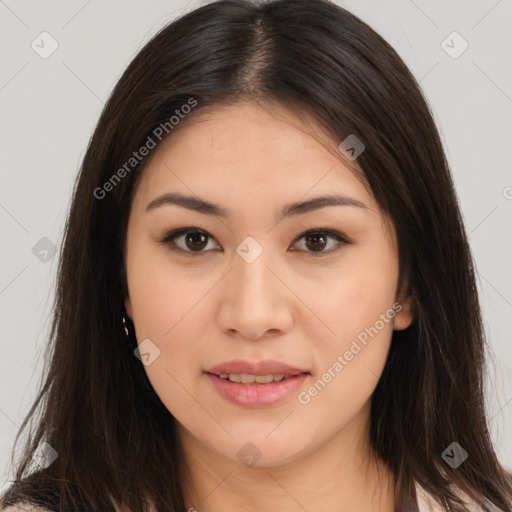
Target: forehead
244, 155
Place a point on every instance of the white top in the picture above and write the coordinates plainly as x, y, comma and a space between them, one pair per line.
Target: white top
425, 504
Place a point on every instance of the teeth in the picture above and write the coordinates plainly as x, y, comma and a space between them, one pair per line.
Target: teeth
265, 379
246, 378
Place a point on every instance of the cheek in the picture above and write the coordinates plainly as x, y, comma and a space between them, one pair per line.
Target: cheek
161, 293
167, 312
362, 289
166, 304
357, 307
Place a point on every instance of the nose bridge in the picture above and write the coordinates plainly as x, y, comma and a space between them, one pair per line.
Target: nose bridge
254, 300
253, 281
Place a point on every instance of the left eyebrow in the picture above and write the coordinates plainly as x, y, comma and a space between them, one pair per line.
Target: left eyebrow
290, 210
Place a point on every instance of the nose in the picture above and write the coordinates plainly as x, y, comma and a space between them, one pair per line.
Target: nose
255, 301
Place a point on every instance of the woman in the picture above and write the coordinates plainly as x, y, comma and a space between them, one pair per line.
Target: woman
266, 297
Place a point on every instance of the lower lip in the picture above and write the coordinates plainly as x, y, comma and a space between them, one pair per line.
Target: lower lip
256, 395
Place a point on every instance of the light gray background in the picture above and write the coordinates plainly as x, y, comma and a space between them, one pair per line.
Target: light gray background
49, 108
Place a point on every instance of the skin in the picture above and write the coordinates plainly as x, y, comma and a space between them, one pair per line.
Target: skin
288, 305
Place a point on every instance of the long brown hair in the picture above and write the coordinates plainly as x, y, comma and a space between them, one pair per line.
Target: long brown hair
96, 408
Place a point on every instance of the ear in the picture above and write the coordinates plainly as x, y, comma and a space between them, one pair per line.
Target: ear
406, 311
128, 307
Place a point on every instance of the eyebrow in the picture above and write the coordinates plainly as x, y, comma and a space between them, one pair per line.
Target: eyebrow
290, 210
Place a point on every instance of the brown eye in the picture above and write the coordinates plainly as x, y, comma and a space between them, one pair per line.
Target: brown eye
187, 240
195, 240
317, 240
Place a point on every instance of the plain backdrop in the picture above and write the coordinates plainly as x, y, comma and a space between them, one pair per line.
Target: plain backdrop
50, 104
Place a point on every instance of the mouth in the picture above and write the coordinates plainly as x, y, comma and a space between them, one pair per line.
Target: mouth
248, 378
248, 372
261, 384
256, 391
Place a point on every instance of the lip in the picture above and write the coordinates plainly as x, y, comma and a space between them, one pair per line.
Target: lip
266, 367
256, 395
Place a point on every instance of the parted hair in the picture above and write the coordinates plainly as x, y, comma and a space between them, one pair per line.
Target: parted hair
116, 441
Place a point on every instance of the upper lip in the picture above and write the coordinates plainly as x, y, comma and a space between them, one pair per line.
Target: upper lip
267, 367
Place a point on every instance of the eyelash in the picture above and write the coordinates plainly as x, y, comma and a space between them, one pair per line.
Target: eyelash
168, 240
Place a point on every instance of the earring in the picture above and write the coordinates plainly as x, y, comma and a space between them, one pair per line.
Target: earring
126, 327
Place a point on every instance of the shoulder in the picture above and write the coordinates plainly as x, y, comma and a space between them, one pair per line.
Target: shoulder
427, 503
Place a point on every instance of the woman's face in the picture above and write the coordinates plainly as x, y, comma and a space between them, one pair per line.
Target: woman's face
242, 282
